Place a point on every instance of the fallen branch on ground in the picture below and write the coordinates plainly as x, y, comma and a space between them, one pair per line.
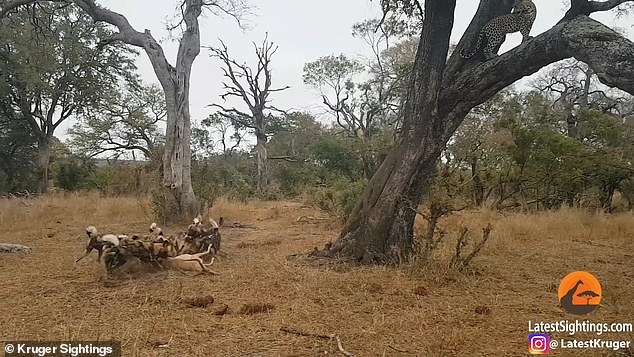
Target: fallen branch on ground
295, 331
309, 219
239, 225
14, 248
398, 349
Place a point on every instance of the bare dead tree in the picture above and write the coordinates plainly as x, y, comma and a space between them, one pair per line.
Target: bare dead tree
442, 91
574, 86
254, 89
174, 80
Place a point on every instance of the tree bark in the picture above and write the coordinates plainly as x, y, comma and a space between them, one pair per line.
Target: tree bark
262, 159
179, 193
380, 229
42, 163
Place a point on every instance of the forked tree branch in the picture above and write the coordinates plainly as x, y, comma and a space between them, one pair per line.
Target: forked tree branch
252, 86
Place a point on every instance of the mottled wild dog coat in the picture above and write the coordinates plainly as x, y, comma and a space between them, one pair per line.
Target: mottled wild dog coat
99, 242
200, 238
186, 247
148, 249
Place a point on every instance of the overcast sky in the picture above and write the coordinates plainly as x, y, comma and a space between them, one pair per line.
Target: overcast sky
303, 30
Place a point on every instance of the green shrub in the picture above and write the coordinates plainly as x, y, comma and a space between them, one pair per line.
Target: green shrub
241, 189
72, 174
292, 178
341, 198
125, 179
158, 205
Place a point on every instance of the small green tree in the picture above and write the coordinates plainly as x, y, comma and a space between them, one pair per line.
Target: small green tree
18, 150
124, 124
56, 66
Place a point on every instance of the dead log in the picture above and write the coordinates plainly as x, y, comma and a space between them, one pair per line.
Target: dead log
14, 248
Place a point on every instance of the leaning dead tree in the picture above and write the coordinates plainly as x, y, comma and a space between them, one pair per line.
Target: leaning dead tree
174, 80
442, 91
254, 89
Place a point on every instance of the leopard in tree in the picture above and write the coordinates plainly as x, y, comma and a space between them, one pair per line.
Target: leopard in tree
520, 19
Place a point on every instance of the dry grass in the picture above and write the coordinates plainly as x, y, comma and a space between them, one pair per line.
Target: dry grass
408, 311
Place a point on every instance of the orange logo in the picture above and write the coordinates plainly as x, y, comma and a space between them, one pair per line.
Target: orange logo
579, 293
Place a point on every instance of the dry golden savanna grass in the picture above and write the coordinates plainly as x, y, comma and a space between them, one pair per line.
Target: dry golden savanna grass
414, 310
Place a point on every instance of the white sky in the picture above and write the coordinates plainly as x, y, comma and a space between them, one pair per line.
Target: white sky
304, 31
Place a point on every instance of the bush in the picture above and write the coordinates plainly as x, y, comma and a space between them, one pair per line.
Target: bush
231, 175
241, 189
292, 178
340, 199
125, 179
159, 205
72, 173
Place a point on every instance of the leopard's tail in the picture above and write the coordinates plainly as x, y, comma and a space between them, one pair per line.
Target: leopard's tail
475, 50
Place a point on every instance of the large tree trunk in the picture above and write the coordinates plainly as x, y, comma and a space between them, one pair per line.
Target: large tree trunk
380, 229
179, 194
42, 163
177, 177
262, 160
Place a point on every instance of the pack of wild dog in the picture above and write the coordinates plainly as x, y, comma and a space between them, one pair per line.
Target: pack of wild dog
184, 251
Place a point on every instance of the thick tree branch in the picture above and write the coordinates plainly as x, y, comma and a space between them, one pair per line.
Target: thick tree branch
131, 36
189, 46
285, 158
606, 5
585, 7
610, 55
128, 33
